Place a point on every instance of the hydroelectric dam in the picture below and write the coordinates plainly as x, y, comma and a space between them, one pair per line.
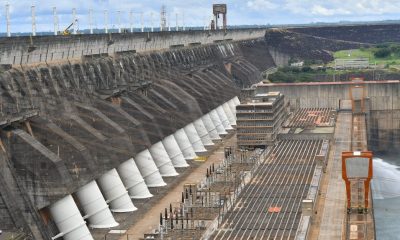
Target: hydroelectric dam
136, 135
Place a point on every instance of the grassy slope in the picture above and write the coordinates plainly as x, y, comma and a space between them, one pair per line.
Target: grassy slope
367, 53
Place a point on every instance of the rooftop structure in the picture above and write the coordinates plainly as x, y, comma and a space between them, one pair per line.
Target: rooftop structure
352, 63
220, 9
259, 122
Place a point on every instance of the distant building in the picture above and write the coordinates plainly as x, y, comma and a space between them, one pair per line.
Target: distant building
356, 63
260, 121
297, 64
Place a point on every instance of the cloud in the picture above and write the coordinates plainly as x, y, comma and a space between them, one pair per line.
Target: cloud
323, 11
261, 5
197, 13
327, 8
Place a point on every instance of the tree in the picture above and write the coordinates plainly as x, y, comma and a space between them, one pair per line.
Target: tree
382, 53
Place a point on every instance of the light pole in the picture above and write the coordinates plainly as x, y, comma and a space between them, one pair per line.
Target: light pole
33, 20
176, 22
141, 21
90, 21
74, 21
55, 21
105, 21
8, 20
131, 20
119, 21
151, 21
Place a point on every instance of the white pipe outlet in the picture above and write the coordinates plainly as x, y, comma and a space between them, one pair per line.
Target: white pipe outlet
224, 118
115, 192
212, 130
174, 152
95, 207
162, 160
203, 133
69, 220
194, 138
133, 180
184, 144
232, 105
149, 170
229, 114
236, 100
217, 122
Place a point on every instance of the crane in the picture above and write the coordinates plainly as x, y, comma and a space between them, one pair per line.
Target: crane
66, 31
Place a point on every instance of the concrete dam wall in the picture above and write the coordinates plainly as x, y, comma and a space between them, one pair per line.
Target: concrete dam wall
68, 123
77, 111
40, 49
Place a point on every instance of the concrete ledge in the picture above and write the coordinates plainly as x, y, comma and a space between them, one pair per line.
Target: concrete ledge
304, 228
18, 50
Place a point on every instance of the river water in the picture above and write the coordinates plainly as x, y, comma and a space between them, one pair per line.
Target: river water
386, 194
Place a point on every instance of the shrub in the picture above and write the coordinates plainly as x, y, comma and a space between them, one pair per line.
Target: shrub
306, 69
382, 53
305, 78
282, 77
383, 45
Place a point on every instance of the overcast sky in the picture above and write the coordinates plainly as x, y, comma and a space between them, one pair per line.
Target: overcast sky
197, 12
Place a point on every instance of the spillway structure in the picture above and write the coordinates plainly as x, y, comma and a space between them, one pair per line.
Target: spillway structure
97, 126
112, 192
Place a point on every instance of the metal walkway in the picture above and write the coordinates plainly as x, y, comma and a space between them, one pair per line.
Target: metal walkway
332, 223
